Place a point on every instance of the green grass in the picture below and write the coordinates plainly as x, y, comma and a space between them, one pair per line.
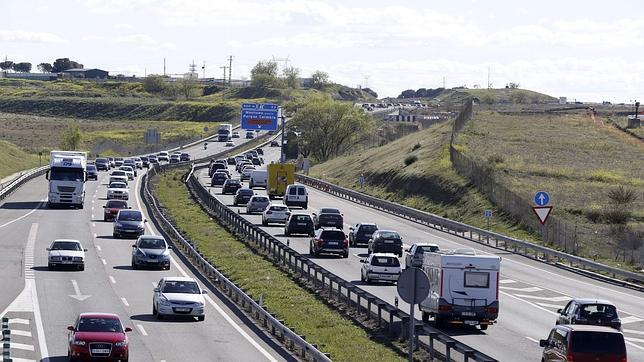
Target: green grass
509, 95
296, 306
13, 159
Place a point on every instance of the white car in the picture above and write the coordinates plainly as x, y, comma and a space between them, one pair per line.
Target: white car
178, 296
275, 213
163, 156
66, 252
129, 172
119, 173
380, 266
118, 190
246, 172
230, 144
138, 162
118, 179
235, 134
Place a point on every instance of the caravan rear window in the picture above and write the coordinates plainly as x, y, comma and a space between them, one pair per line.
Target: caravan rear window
477, 280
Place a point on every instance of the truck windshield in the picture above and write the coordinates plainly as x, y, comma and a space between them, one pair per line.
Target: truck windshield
66, 174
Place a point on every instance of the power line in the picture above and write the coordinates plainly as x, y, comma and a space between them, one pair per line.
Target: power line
230, 70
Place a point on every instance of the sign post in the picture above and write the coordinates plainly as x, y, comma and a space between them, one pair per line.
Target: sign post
413, 288
488, 216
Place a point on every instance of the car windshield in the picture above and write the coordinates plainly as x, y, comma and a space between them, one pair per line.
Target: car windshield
130, 216
279, 208
181, 287
91, 168
389, 235
427, 249
333, 235
233, 181
66, 174
368, 228
260, 199
117, 185
303, 218
385, 261
66, 245
597, 343
116, 204
99, 325
152, 244
329, 211
596, 311
101, 160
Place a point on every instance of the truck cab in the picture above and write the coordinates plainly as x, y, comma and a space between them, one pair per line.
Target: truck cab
67, 176
279, 177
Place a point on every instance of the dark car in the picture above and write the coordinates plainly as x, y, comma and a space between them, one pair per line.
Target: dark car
329, 241
361, 233
583, 343
102, 164
92, 172
250, 135
242, 196
231, 186
385, 241
129, 223
299, 224
152, 251
184, 157
112, 208
216, 166
274, 144
328, 216
590, 311
146, 161
98, 336
259, 151
231, 160
153, 159
218, 179
256, 161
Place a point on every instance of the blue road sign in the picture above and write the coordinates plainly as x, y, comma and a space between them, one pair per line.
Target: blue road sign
488, 213
259, 116
541, 198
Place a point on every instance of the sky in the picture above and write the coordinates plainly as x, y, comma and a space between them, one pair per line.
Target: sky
583, 50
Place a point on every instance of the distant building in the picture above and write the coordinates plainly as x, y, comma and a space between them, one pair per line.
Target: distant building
30, 76
305, 82
563, 100
92, 73
400, 116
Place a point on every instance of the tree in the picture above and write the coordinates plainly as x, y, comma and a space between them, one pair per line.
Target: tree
409, 93
488, 98
187, 87
72, 137
319, 79
264, 74
328, 128
6, 65
45, 67
154, 84
62, 64
291, 77
23, 67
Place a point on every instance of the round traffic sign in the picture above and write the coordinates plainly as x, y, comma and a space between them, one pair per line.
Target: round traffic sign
541, 198
413, 285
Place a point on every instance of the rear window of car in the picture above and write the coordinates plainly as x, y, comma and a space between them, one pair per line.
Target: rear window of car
279, 208
246, 192
389, 235
328, 210
595, 311
91, 168
427, 249
597, 343
101, 160
219, 175
233, 182
333, 235
261, 199
116, 204
368, 228
302, 218
384, 261
130, 216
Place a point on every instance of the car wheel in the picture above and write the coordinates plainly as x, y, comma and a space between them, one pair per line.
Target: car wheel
154, 311
115, 236
81, 267
201, 318
345, 255
264, 222
133, 264
483, 327
50, 266
167, 267
361, 277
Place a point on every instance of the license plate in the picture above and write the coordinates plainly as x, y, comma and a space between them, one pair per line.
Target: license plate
182, 309
469, 314
67, 262
389, 241
332, 243
153, 261
101, 351
301, 224
471, 323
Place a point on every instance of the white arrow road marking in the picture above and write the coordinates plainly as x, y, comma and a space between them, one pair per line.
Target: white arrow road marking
141, 329
555, 306
506, 281
552, 299
78, 296
526, 290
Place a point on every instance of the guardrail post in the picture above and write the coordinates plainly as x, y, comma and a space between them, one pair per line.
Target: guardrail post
432, 336
448, 349
6, 344
467, 355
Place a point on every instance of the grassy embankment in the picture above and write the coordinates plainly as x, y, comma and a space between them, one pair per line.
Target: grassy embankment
13, 159
296, 306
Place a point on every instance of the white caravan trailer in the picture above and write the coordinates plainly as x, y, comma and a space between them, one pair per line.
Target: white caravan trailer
464, 288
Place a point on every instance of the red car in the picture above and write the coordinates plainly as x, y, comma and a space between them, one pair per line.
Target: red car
98, 336
112, 208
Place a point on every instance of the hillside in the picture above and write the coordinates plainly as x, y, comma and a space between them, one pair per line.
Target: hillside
13, 159
510, 95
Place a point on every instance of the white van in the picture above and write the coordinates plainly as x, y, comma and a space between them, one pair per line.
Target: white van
258, 178
296, 195
464, 288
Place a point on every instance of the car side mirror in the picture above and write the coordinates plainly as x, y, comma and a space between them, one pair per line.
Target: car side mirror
156, 290
134, 245
128, 329
146, 220
48, 249
85, 250
559, 311
104, 206
129, 207
71, 328
543, 342
169, 247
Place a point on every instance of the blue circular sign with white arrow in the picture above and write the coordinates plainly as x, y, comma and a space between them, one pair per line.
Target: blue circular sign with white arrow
541, 198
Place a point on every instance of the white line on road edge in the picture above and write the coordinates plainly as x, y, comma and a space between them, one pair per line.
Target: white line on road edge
23, 216
112, 280
531, 339
104, 261
94, 225
141, 329
98, 247
207, 297
125, 302
633, 331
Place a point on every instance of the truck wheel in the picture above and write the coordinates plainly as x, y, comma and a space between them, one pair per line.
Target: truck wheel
425, 317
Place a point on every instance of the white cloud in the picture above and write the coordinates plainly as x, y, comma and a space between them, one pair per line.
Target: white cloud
142, 41
123, 26
29, 36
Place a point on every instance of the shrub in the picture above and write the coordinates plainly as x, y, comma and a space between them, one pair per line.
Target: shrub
617, 216
410, 159
594, 215
622, 196
415, 147
496, 159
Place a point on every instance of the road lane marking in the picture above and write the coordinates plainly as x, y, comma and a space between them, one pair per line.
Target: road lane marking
92, 216
526, 290
19, 321
23, 216
631, 339
24, 347
98, 247
633, 331
94, 225
18, 332
630, 319
95, 235
141, 329
125, 302
551, 299
531, 339
112, 280
555, 306
104, 261
506, 281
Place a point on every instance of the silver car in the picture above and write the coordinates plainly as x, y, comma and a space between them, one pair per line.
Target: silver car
179, 296
257, 203
152, 251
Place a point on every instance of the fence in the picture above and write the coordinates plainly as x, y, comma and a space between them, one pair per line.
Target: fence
330, 286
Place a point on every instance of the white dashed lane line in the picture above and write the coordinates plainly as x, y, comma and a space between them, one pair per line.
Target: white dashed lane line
125, 302
104, 261
141, 329
112, 280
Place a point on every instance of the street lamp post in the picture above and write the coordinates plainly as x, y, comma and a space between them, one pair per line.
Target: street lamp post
282, 155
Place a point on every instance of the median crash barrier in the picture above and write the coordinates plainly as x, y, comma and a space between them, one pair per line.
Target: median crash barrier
356, 301
475, 234
13, 185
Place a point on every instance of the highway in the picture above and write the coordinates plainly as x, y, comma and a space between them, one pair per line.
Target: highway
530, 291
42, 303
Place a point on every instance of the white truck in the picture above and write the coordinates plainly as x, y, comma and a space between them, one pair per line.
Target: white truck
225, 132
67, 177
464, 288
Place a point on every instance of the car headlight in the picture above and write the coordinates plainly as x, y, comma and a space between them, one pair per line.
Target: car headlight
164, 300
165, 255
79, 342
78, 258
121, 343
139, 252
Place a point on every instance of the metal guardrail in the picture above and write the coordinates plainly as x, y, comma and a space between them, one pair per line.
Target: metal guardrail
469, 232
357, 301
6, 340
13, 185
288, 337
